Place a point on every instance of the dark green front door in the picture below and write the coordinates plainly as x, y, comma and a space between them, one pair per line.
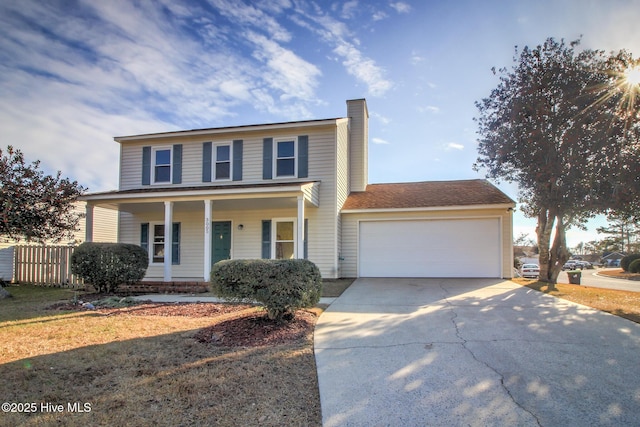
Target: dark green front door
221, 241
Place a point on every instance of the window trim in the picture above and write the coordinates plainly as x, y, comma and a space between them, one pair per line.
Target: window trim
275, 157
154, 150
274, 229
214, 160
151, 242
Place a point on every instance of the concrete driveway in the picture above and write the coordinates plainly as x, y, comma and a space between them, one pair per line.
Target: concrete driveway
477, 352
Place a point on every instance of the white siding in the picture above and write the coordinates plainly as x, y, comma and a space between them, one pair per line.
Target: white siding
105, 228
6, 264
323, 220
245, 243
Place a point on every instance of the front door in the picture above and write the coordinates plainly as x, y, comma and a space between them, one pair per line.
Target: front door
221, 241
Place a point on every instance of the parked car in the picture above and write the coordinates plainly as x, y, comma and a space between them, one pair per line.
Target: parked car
584, 265
570, 265
530, 270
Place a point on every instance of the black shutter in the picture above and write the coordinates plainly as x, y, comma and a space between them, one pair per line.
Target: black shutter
306, 238
144, 236
267, 158
237, 160
175, 244
303, 156
177, 164
146, 165
206, 161
266, 239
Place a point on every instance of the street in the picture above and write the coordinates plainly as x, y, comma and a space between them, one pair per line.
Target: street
589, 278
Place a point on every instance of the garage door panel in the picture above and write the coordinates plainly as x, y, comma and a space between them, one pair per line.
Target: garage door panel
430, 248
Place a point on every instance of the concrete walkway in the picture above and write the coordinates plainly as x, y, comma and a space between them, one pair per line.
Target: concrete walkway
195, 298
473, 352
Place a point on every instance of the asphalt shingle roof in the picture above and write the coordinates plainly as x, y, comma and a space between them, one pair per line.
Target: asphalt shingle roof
427, 194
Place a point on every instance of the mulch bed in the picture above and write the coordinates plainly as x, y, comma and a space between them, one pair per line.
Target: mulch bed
245, 325
256, 330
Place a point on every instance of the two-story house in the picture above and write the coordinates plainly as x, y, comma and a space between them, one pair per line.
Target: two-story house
298, 190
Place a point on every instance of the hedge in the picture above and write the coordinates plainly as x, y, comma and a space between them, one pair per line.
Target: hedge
634, 266
626, 260
281, 286
105, 266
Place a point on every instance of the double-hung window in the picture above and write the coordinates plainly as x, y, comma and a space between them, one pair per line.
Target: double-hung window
162, 165
285, 158
152, 238
222, 164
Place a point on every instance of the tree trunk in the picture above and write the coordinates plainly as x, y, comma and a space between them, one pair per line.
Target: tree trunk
559, 252
543, 232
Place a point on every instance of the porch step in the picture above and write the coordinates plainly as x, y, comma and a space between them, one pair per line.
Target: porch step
165, 287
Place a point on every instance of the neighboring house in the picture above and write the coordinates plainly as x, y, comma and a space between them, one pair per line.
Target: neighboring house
612, 259
299, 190
105, 229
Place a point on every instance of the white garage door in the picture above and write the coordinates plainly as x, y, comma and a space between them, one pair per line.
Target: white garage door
430, 248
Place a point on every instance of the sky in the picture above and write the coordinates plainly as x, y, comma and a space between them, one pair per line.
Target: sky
74, 74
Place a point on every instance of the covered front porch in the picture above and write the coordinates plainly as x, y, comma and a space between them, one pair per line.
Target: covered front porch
186, 230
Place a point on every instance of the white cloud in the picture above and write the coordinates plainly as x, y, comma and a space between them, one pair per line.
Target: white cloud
349, 8
454, 146
287, 72
379, 141
429, 109
337, 34
401, 7
242, 13
379, 16
382, 119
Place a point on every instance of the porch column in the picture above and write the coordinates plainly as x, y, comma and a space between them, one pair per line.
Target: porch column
207, 239
168, 234
300, 235
88, 231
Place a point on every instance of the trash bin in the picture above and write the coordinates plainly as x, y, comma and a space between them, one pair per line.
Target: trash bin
574, 277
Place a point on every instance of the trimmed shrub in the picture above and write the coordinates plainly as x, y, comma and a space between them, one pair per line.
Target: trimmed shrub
626, 260
634, 266
282, 286
105, 266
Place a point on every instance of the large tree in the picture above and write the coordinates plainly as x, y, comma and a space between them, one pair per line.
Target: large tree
35, 206
563, 125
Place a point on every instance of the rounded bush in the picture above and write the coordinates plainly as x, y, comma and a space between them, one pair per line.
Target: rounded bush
626, 260
105, 266
634, 266
282, 286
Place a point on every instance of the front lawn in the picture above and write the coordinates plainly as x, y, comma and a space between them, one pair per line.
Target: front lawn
149, 365
621, 303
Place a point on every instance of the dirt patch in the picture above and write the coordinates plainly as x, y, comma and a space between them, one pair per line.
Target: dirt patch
619, 274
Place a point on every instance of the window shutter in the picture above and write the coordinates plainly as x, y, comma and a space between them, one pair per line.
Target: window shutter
177, 164
267, 158
175, 244
206, 161
303, 156
146, 165
237, 160
306, 238
266, 239
144, 236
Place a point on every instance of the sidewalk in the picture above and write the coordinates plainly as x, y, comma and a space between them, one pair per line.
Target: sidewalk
178, 298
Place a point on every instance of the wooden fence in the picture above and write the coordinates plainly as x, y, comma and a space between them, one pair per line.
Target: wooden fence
45, 265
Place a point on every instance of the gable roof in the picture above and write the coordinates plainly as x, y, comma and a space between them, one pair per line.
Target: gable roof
427, 194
